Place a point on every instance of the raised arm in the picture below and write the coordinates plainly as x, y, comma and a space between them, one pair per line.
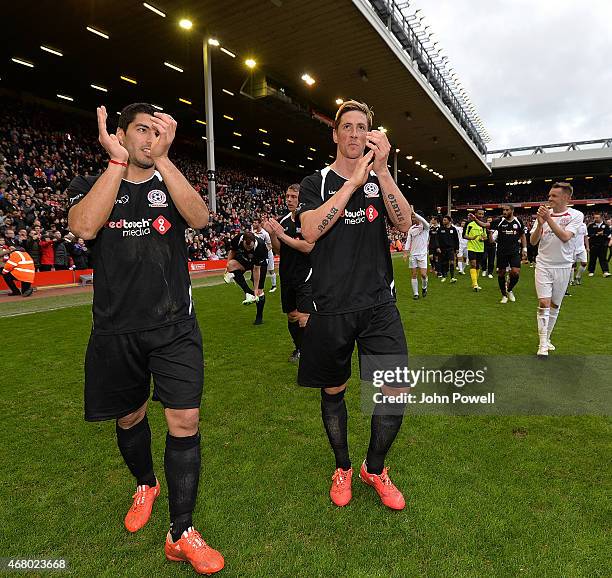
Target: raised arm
88, 216
317, 221
188, 202
398, 208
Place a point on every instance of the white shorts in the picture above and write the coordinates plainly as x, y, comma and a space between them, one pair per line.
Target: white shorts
581, 256
552, 283
270, 261
418, 261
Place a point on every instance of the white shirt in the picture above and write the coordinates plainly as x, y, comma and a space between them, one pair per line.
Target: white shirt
552, 252
418, 237
264, 236
462, 242
579, 239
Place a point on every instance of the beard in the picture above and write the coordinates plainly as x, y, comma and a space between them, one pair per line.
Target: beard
142, 163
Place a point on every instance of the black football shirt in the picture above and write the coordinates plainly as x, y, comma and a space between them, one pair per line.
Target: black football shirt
141, 277
257, 256
351, 261
294, 266
508, 235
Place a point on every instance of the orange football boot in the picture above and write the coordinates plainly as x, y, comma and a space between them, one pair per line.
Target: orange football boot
340, 491
192, 548
389, 494
140, 512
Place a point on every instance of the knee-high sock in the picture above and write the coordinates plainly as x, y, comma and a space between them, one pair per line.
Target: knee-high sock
543, 317
573, 274
296, 333
261, 303
415, 286
552, 319
135, 447
501, 281
580, 271
335, 419
452, 268
514, 279
474, 276
241, 282
384, 427
182, 467
460, 266
273, 277
424, 282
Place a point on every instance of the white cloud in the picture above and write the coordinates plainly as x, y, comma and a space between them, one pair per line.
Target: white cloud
537, 71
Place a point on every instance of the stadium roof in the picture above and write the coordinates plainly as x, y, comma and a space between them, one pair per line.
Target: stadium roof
559, 161
343, 45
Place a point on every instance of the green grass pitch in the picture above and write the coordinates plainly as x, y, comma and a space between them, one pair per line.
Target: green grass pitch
487, 496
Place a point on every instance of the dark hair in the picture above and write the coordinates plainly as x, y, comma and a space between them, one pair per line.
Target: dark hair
248, 237
128, 114
256, 219
565, 186
351, 105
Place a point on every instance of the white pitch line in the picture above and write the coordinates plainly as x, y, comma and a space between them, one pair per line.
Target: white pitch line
43, 310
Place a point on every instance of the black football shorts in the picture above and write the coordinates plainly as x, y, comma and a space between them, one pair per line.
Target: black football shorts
505, 261
329, 341
118, 370
296, 296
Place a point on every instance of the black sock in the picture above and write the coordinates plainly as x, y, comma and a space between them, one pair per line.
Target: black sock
260, 307
501, 279
452, 269
241, 282
182, 466
335, 418
135, 447
514, 279
386, 422
296, 333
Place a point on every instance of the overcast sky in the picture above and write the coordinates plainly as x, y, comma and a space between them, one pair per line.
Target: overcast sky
537, 71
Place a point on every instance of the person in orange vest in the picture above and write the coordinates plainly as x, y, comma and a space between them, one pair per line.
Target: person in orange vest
19, 266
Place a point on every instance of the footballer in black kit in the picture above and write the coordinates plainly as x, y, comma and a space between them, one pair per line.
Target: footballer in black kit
343, 210
249, 253
511, 246
134, 217
294, 269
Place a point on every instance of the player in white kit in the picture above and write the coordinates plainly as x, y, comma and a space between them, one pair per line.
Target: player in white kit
416, 251
462, 254
555, 229
260, 232
580, 255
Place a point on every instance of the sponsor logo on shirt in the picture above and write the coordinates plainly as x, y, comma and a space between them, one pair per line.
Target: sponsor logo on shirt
359, 216
131, 228
332, 192
157, 198
371, 190
123, 200
162, 225
371, 213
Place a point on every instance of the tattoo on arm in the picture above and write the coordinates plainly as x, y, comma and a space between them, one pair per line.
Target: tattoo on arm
396, 207
322, 226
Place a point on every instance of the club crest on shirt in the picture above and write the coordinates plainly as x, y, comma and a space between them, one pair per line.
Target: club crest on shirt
157, 198
123, 200
371, 190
